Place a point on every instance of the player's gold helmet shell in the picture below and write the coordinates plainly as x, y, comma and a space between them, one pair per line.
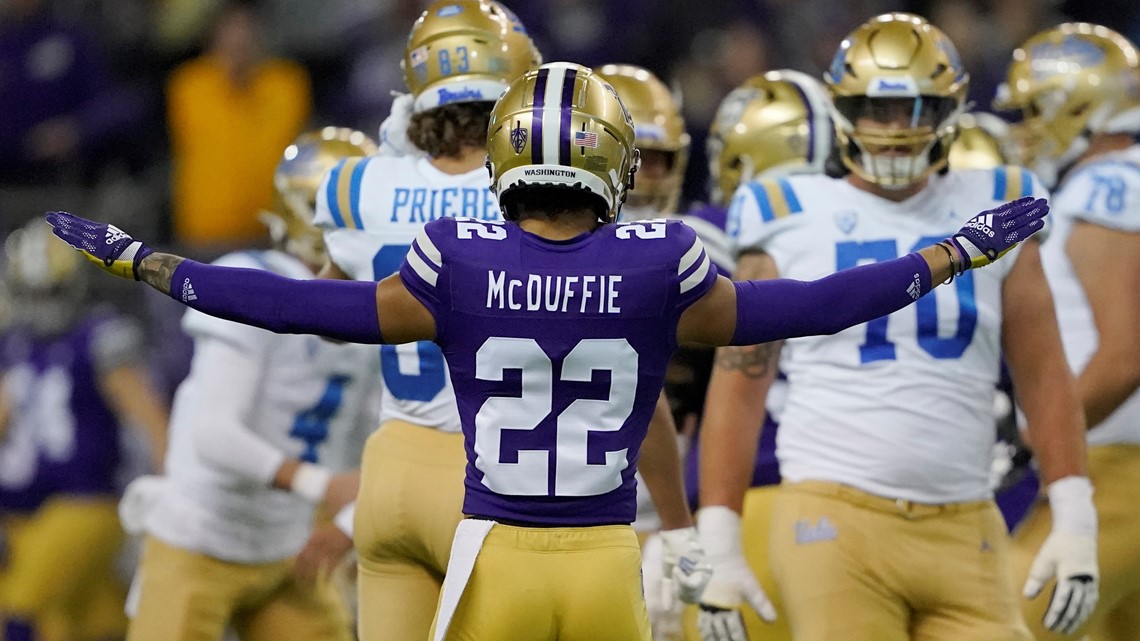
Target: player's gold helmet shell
562, 125
295, 183
465, 51
658, 126
44, 279
1066, 81
896, 59
981, 142
777, 122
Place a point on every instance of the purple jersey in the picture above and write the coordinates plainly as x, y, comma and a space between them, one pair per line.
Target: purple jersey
711, 222
557, 352
62, 437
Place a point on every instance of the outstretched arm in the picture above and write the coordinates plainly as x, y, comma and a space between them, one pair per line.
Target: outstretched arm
752, 312
355, 312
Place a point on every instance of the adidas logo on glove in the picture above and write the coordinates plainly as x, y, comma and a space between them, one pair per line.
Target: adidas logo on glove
984, 225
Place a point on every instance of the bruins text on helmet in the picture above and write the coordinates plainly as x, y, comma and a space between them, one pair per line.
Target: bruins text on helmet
1069, 82
777, 122
562, 125
898, 86
295, 183
660, 137
465, 51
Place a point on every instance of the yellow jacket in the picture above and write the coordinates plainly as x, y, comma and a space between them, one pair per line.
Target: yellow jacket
227, 140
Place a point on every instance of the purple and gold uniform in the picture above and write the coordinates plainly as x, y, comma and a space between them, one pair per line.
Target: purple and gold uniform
557, 371
58, 463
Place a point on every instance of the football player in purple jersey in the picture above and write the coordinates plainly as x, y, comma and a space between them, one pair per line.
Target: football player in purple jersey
557, 326
70, 378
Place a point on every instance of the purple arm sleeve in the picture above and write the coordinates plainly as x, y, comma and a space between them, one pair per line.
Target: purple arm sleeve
339, 309
769, 310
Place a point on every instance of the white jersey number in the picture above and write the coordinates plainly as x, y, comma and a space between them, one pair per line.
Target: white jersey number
528, 475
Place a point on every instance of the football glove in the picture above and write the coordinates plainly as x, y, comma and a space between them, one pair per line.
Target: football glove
732, 584
105, 245
1069, 555
989, 235
683, 561
139, 498
663, 606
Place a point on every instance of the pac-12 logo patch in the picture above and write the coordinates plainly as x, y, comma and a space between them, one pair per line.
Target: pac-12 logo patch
846, 220
518, 138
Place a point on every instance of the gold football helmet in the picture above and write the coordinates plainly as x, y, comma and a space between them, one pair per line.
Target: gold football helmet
980, 143
774, 123
562, 125
465, 51
295, 183
897, 87
658, 127
44, 279
1070, 81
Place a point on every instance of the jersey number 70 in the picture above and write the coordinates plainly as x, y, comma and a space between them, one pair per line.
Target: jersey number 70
876, 347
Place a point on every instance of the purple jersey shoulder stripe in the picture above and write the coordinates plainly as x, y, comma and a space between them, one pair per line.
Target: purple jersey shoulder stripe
564, 124
536, 116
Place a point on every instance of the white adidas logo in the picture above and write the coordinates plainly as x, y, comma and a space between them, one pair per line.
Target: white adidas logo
188, 291
915, 288
984, 225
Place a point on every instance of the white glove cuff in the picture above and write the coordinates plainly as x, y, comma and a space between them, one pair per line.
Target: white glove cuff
1070, 499
310, 482
344, 518
719, 527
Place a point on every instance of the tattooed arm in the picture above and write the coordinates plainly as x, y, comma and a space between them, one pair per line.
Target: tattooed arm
734, 406
157, 270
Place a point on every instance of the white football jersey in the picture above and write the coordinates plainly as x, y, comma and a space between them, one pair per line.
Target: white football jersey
371, 209
1103, 192
900, 406
312, 402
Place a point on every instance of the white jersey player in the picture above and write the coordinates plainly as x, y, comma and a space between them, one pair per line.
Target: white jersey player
265, 429
885, 524
1090, 76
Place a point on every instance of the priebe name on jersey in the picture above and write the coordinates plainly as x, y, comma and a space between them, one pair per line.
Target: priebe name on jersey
590, 294
424, 204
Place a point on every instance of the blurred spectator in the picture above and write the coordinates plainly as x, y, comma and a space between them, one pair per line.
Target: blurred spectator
231, 111
60, 110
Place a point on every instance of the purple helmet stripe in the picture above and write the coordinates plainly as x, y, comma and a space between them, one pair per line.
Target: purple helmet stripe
536, 116
564, 125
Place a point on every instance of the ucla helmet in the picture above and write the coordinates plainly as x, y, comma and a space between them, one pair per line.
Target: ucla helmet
1068, 82
658, 126
896, 65
465, 51
562, 125
295, 183
981, 142
777, 122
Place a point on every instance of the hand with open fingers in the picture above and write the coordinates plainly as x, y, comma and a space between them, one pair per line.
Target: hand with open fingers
683, 562
989, 235
664, 608
733, 583
105, 245
1071, 559
1069, 556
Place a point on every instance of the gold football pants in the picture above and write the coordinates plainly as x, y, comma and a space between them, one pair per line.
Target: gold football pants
411, 500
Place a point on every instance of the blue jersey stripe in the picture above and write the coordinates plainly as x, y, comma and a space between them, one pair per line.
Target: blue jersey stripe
1026, 183
766, 211
331, 195
999, 183
790, 197
354, 191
